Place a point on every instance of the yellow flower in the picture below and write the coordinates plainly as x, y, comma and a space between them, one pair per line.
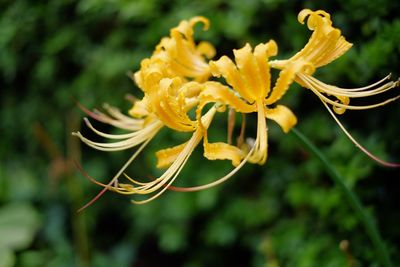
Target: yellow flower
250, 80
171, 77
171, 81
180, 94
182, 55
325, 45
178, 56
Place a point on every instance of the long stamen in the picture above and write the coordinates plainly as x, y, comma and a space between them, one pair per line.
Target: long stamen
352, 92
116, 113
133, 181
132, 124
169, 176
108, 186
86, 175
240, 139
231, 124
90, 113
139, 137
106, 135
172, 172
311, 86
166, 187
118, 123
363, 149
337, 104
217, 182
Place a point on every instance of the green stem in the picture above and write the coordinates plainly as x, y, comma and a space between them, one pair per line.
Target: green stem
367, 221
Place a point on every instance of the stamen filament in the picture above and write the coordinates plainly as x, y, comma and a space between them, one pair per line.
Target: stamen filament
217, 182
106, 135
355, 92
337, 104
352, 107
116, 113
363, 149
108, 186
140, 137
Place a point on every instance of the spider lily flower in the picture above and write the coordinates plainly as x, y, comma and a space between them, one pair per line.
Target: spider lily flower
171, 81
250, 80
179, 56
181, 53
161, 78
325, 45
168, 100
176, 83
171, 77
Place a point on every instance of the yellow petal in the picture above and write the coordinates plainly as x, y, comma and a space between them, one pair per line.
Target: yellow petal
139, 109
168, 103
286, 78
314, 20
250, 77
225, 67
165, 157
216, 92
249, 72
336, 51
283, 116
186, 27
260, 153
206, 49
222, 151
326, 43
262, 52
184, 58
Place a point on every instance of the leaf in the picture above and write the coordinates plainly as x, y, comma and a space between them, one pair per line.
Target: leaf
7, 257
18, 225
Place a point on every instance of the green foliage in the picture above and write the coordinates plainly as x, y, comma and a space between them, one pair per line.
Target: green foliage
18, 225
285, 213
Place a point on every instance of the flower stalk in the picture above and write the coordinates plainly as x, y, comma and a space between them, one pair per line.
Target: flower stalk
354, 201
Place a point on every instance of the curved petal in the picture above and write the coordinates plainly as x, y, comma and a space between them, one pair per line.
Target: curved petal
226, 68
326, 42
283, 116
139, 108
250, 77
286, 78
165, 157
168, 102
206, 49
216, 92
222, 151
260, 152
183, 57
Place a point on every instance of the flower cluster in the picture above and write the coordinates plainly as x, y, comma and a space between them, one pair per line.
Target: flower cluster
182, 93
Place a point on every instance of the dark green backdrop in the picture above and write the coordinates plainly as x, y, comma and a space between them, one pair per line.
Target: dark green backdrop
285, 213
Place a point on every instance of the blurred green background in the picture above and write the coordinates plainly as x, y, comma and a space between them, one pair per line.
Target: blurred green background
285, 213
